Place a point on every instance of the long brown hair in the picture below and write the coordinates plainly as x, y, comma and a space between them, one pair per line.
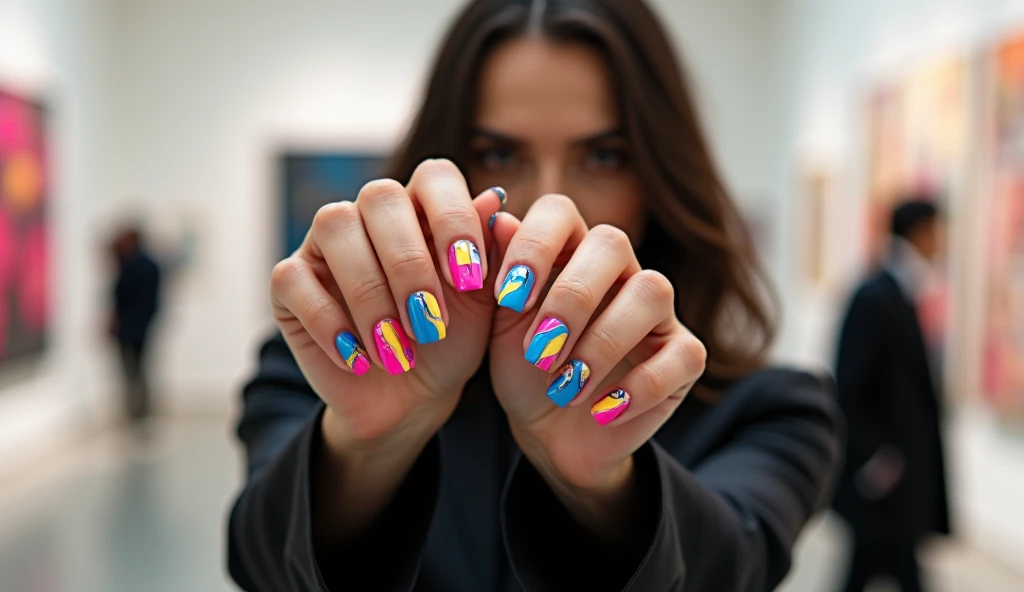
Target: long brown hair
697, 237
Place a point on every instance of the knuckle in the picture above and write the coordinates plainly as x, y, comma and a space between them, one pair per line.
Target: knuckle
604, 343
284, 273
412, 260
532, 247
694, 352
333, 216
573, 294
558, 201
655, 287
457, 217
379, 190
371, 288
651, 380
612, 236
315, 312
434, 167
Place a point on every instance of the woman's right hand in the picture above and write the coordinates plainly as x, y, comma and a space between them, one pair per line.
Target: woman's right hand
385, 330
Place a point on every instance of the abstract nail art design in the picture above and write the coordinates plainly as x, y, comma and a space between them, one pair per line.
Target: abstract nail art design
490, 221
546, 343
610, 407
502, 195
425, 317
569, 382
393, 346
464, 263
515, 290
352, 352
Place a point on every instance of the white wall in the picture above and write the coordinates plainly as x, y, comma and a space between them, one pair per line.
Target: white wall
829, 52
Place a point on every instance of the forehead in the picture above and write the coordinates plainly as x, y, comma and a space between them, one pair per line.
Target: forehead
532, 87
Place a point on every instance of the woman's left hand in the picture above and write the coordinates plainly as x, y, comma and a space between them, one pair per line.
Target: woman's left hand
606, 360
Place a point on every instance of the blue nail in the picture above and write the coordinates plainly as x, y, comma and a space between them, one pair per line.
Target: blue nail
425, 317
569, 382
515, 290
502, 195
490, 223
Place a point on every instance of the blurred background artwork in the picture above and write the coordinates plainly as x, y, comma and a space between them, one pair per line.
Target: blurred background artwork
24, 268
310, 180
1004, 264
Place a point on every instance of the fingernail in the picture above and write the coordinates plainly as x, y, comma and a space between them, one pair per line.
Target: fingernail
515, 290
546, 343
352, 352
464, 263
502, 195
425, 317
569, 382
610, 407
393, 346
490, 222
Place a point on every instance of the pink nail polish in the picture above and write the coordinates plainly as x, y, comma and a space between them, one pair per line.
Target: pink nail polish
394, 346
464, 263
611, 406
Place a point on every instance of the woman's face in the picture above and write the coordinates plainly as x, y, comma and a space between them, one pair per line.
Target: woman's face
547, 122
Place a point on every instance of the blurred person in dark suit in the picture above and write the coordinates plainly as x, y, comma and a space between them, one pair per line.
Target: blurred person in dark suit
893, 488
136, 301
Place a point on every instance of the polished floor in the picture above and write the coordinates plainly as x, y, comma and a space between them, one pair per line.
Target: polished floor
124, 513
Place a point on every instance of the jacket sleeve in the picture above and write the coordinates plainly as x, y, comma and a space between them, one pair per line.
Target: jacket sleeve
727, 523
860, 371
270, 542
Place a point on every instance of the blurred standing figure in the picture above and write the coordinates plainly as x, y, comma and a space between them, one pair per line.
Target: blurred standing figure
136, 300
893, 489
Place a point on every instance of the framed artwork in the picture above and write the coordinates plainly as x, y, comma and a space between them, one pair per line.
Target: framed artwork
24, 228
310, 180
1003, 341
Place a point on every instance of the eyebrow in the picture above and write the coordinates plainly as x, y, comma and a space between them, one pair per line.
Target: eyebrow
613, 133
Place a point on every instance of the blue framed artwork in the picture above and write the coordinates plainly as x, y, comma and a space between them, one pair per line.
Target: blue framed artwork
310, 180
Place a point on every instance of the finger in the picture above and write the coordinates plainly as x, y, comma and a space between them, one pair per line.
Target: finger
553, 226
664, 378
604, 258
643, 303
295, 288
456, 226
338, 236
389, 217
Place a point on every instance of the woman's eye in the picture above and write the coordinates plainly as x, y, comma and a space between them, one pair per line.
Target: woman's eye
605, 159
498, 158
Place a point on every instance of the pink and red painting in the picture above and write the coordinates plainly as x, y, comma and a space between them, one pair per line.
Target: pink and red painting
24, 242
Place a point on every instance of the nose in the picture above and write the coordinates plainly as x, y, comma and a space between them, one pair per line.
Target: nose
550, 177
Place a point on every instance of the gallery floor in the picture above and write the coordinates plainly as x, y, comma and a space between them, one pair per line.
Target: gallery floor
123, 513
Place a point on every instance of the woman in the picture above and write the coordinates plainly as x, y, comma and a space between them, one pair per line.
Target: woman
466, 396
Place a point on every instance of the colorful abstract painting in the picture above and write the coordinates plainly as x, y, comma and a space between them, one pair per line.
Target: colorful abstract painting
310, 180
1003, 346
24, 261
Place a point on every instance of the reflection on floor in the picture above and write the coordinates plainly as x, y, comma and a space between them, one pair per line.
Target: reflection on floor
122, 513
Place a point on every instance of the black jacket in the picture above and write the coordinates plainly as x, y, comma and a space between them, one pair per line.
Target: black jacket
888, 395
726, 489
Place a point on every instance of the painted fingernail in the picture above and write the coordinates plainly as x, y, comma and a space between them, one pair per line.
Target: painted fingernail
490, 222
393, 346
464, 263
515, 290
610, 407
352, 352
502, 195
546, 343
569, 382
425, 317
